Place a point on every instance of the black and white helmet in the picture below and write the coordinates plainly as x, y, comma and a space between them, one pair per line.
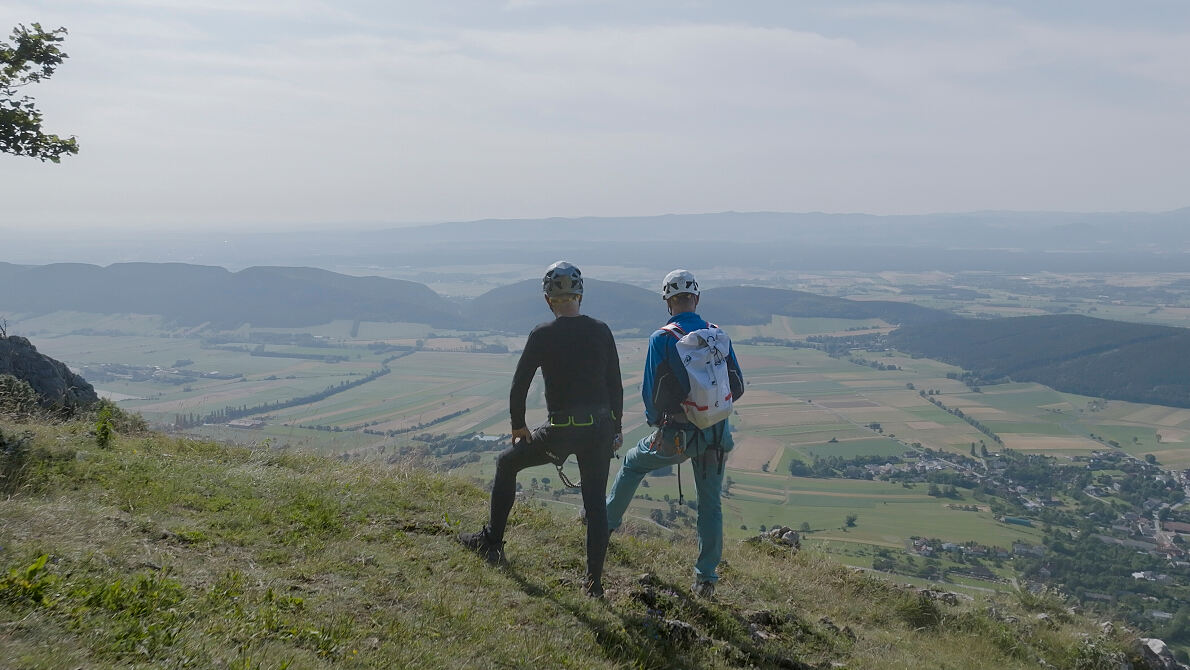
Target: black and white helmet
561, 279
677, 282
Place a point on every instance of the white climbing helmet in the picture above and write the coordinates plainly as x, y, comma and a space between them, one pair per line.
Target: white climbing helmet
677, 282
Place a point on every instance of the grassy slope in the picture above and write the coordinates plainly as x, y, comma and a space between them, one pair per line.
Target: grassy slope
176, 553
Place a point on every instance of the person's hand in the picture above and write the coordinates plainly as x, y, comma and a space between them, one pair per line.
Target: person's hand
617, 442
521, 435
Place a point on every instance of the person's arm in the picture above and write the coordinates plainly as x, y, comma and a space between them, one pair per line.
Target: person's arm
615, 383
526, 367
653, 358
735, 376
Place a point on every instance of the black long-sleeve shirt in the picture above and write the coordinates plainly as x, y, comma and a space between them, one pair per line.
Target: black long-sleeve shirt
578, 359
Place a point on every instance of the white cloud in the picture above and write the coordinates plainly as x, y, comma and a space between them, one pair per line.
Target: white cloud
534, 4
952, 14
305, 9
184, 120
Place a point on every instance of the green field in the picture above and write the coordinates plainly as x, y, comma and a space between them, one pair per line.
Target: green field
789, 327
880, 446
798, 400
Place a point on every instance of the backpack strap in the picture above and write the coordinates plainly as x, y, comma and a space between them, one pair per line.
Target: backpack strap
681, 498
674, 330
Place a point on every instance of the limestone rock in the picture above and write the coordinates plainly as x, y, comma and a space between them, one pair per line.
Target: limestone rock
780, 536
1157, 655
947, 597
677, 630
758, 633
54, 383
763, 618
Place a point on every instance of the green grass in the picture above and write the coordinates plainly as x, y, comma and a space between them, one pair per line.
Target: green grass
1005, 427
879, 446
420, 384
889, 513
811, 432
65, 322
794, 328
163, 552
788, 455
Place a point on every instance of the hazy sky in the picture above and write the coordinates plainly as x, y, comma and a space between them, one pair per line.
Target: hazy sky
287, 112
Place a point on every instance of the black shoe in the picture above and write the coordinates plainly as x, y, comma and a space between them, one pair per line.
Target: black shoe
593, 588
481, 543
704, 590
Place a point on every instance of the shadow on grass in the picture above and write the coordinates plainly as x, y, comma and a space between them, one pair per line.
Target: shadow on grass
635, 642
662, 636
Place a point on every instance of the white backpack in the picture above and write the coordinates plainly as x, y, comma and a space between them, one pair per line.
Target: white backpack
704, 355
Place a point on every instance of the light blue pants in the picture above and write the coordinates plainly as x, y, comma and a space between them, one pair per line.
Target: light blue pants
708, 482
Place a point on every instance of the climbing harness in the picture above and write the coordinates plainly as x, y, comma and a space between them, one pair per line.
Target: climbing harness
658, 445
570, 421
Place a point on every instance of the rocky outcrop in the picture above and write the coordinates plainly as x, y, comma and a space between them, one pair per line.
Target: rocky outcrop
778, 536
54, 383
1156, 655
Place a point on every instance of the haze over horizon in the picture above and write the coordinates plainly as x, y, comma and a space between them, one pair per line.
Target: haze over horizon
276, 114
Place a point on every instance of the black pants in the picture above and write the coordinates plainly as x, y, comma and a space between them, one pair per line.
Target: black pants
592, 446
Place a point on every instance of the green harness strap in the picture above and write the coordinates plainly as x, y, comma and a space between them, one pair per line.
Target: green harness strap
571, 422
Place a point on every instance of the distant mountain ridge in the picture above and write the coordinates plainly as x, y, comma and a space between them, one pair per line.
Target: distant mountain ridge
1073, 353
194, 294
750, 305
518, 307
1035, 231
285, 297
1001, 241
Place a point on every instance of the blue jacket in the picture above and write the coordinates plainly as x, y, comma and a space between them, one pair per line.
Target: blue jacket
663, 347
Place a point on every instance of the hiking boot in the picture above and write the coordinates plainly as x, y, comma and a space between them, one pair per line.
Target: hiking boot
704, 590
593, 588
481, 542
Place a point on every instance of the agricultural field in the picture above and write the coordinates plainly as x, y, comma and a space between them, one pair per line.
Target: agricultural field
1158, 298
800, 405
789, 327
888, 514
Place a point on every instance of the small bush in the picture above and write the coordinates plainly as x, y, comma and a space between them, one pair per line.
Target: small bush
919, 611
110, 420
14, 454
139, 616
18, 400
1098, 654
122, 421
1047, 599
28, 585
103, 428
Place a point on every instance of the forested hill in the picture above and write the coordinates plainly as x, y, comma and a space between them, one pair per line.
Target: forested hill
518, 307
630, 308
284, 297
748, 305
195, 294
1072, 353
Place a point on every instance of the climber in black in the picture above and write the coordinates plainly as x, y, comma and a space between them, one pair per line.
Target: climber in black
585, 399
